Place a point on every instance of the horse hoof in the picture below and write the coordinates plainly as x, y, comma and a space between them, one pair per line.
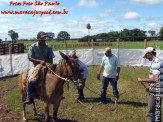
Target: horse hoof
35, 114
24, 119
54, 120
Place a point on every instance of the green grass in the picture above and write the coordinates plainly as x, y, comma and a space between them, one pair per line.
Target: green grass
132, 103
123, 45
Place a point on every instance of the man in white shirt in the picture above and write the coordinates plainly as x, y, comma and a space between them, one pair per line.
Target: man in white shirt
155, 89
111, 66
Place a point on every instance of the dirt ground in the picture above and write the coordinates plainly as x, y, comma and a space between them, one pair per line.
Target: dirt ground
5, 114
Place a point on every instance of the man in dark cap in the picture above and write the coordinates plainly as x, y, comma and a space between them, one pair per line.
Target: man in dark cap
39, 53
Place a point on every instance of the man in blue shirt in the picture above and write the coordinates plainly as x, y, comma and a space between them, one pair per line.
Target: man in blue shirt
39, 53
111, 66
83, 67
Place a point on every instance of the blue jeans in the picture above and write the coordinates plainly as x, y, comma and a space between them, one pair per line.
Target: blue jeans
152, 109
80, 90
105, 83
30, 87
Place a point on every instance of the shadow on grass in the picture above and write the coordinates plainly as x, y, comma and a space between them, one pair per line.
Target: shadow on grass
108, 100
65, 120
91, 100
136, 104
40, 118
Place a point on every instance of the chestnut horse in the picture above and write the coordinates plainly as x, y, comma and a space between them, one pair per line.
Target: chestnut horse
53, 86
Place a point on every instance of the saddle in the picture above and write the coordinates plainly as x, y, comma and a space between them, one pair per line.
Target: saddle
37, 76
37, 73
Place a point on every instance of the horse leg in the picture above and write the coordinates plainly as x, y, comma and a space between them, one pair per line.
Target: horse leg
24, 106
55, 111
46, 112
34, 108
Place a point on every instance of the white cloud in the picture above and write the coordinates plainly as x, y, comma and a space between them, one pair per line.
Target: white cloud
146, 2
90, 19
106, 13
153, 26
131, 16
88, 3
4, 20
44, 19
153, 18
18, 19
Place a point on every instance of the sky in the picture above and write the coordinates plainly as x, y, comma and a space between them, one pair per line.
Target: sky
103, 15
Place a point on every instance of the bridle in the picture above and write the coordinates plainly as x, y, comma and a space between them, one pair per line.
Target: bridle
65, 79
65, 68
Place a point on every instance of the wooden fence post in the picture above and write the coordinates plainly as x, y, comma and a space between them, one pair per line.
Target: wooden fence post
92, 41
118, 43
65, 44
145, 43
10, 53
118, 47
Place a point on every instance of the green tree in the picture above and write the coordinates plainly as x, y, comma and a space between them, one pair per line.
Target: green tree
113, 34
14, 36
88, 26
50, 35
63, 35
152, 32
0, 40
161, 32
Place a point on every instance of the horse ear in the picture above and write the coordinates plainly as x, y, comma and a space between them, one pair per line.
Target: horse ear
65, 57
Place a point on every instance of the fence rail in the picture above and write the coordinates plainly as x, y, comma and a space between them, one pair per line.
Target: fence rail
96, 43
11, 48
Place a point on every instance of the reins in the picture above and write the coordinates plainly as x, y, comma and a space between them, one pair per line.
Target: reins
65, 79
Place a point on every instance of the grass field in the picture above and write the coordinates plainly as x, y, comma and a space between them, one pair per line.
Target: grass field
123, 45
132, 103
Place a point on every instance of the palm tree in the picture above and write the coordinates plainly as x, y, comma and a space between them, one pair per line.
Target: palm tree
88, 27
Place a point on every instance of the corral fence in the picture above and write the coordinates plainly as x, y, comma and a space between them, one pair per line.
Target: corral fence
11, 48
118, 43
92, 43
98, 43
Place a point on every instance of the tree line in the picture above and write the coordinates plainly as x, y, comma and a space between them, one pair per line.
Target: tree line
50, 36
125, 34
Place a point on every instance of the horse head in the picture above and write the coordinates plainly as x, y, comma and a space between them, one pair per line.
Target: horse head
70, 68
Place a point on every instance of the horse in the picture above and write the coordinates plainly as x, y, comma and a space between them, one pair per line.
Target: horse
53, 86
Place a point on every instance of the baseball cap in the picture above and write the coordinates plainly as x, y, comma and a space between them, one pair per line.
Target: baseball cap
148, 50
106, 50
41, 34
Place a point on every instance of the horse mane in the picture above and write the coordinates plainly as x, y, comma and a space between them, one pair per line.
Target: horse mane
53, 67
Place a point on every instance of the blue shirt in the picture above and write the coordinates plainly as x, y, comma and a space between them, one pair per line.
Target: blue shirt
110, 66
84, 67
45, 53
